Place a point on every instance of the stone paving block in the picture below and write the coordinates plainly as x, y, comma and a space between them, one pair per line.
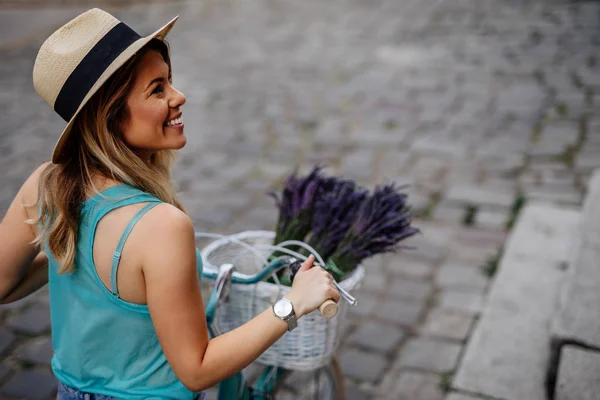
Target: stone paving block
446, 324
16, 305
578, 374
491, 219
21, 385
362, 365
425, 250
460, 274
366, 305
37, 351
377, 336
4, 371
508, 352
581, 292
587, 162
374, 282
399, 311
460, 396
261, 218
7, 339
410, 268
567, 195
410, 290
433, 146
32, 321
477, 196
429, 354
451, 213
466, 301
411, 385
355, 393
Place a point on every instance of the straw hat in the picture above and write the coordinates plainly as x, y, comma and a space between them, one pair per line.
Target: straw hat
79, 57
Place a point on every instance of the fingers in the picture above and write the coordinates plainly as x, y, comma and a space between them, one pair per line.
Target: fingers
306, 265
333, 293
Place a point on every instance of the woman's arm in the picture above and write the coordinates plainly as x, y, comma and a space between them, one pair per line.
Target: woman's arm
175, 303
17, 251
35, 277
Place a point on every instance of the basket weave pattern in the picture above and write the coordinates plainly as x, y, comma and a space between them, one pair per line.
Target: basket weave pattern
312, 344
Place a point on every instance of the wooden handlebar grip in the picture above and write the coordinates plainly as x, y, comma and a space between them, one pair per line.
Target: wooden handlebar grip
328, 309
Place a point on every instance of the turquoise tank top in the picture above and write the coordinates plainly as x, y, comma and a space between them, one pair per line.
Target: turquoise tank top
103, 344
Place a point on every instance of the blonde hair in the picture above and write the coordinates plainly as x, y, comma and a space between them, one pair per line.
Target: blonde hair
96, 146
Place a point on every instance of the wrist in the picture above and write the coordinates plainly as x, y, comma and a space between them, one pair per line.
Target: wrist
296, 304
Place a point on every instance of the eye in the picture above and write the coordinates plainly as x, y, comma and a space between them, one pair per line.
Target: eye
158, 89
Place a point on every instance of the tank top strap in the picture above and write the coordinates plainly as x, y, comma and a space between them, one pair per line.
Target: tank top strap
117, 254
112, 198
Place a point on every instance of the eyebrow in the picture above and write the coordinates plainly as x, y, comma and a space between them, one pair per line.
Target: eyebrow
159, 79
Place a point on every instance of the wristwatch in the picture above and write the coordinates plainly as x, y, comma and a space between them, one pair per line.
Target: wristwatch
284, 309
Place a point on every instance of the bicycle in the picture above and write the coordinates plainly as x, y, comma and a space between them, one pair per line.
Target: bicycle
325, 382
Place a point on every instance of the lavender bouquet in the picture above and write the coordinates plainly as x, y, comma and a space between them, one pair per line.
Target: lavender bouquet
341, 220
382, 222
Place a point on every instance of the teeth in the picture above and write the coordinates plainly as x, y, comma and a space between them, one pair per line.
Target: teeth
175, 121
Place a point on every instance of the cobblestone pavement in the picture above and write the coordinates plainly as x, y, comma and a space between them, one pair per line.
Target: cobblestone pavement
478, 103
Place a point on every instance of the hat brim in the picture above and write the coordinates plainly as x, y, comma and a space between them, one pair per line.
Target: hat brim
112, 68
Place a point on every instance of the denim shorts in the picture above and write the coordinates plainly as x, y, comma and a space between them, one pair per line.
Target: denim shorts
68, 393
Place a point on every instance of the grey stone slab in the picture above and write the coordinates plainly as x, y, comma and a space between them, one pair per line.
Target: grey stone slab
399, 311
452, 213
446, 324
457, 274
491, 219
4, 371
567, 195
33, 321
578, 374
411, 385
467, 301
433, 146
477, 196
355, 393
37, 351
409, 268
366, 305
460, 396
581, 293
374, 282
7, 339
362, 365
509, 350
22, 26
377, 336
424, 250
410, 290
587, 162
429, 354
21, 385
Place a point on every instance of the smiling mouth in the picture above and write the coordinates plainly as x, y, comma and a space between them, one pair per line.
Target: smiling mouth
174, 122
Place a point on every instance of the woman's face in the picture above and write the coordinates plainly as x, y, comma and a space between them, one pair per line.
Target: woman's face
154, 121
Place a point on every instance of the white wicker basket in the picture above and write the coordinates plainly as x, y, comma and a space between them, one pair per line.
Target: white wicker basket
312, 344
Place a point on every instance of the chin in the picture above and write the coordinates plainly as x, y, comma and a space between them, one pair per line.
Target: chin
181, 143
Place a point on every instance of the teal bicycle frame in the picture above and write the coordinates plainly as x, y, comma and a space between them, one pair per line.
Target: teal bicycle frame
236, 387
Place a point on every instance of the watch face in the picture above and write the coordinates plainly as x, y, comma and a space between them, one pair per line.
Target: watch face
283, 308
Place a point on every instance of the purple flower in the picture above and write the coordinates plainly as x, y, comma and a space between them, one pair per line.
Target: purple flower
296, 204
382, 222
334, 213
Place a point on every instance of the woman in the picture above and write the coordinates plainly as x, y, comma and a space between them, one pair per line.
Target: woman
101, 223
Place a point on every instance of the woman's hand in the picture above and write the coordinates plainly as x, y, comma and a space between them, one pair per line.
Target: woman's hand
311, 288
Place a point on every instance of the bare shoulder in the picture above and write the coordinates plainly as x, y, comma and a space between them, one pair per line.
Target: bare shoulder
166, 230
166, 219
32, 183
29, 190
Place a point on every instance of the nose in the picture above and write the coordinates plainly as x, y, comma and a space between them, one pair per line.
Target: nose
177, 99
